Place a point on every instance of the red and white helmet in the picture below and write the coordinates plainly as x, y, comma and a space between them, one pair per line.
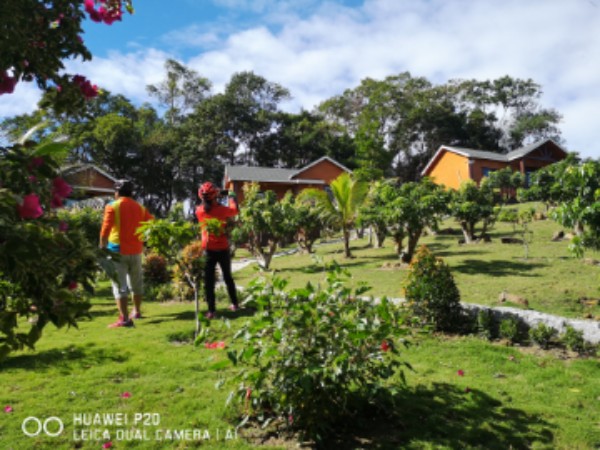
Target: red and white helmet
208, 191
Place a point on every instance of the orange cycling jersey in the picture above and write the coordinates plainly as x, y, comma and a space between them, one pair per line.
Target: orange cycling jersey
122, 218
222, 213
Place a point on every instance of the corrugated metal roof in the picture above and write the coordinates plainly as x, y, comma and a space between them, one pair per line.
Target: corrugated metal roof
264, 174
478, 154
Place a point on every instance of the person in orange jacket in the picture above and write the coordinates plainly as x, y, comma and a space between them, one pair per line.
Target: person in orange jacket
216, 247
122, 218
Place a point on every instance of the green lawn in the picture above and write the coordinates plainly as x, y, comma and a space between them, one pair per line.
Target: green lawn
464, 392
550, 279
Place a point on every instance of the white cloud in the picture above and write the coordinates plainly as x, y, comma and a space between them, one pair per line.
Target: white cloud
316, 56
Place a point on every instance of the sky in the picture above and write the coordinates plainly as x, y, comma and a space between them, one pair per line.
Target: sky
317, 49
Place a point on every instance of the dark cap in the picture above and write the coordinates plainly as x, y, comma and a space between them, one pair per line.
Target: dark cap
124, 188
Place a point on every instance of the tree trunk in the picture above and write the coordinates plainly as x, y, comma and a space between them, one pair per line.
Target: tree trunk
413, 240
346, 233
467, 229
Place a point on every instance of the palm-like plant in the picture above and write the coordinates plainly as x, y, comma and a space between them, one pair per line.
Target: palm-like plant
340, 210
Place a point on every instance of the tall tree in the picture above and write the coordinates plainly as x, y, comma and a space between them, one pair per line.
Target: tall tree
180, 92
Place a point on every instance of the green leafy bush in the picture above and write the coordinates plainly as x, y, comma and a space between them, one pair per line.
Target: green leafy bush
43, 261
542, 335
509, 329
432, 293
88, 220
155, 269
573, 340
485, 324
313, 357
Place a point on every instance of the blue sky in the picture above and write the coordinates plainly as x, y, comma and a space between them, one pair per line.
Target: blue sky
317, 49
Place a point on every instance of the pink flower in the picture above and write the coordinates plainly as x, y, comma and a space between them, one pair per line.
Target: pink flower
61, 188
126, 394
385, 346
107, 444
8, 409
36, 162
72, 285
63, 226
461, 373
56, 201
248, 393
30, 208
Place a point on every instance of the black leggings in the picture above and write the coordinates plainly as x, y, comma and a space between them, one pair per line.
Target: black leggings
223, 258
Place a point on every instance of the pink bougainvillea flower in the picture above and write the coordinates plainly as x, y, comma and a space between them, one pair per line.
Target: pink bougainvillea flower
56, 201
108, 444
8, 409
461, 373
72, 285
221, 344
61, 188
36, 162
63, 226
385, 346
126, 394
30, 208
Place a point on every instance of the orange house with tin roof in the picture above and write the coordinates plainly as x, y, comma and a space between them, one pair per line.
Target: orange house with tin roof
451, 166
318, 174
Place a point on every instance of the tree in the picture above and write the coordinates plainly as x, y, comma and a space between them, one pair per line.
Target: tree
400, 122
308, 221
472, 204
411, 208
264, 222
182, 90
582, 210
38, 36
42, 260
341, 209
381, 194
506, 181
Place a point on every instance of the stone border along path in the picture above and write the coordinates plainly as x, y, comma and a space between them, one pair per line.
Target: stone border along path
590, 328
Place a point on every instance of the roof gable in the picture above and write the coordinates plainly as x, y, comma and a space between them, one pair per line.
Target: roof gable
317, 162
492, 156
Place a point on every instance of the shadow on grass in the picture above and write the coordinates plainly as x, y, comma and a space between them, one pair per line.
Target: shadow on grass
65, 359
497, 268
445, 416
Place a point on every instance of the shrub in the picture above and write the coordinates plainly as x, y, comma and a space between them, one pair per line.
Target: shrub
163, 293
432, 293
509, 329
88, 220
155, 269
313, 356
485, 324
573, 340
542, 335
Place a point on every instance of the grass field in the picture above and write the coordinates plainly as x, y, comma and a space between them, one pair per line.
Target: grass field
551, 279
464, 392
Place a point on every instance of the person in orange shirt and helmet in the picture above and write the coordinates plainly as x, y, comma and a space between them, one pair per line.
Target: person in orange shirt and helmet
122, 218
216, 247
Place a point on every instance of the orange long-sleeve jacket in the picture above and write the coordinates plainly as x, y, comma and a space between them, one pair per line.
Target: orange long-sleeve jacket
217, 211
122, 218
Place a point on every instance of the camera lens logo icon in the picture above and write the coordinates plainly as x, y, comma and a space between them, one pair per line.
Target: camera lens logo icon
52, 426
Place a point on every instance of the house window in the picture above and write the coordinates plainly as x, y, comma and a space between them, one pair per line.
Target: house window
485, 171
